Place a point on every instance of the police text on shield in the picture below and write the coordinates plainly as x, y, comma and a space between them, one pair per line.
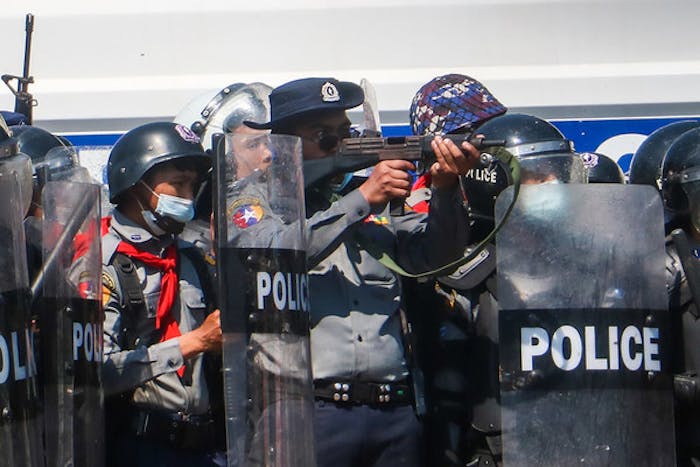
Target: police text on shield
631, 348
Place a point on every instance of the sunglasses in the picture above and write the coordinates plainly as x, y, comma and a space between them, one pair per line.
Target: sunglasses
326, 140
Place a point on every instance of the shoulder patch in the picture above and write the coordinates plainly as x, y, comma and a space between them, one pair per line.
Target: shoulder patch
376, 219
245, 212
108, 282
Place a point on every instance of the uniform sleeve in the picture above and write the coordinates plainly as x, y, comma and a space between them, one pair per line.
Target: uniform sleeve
426, 242
325, 230
124, 370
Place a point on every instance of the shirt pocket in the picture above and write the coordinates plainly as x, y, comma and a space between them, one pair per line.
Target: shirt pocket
145, 325
151, 304
194, 303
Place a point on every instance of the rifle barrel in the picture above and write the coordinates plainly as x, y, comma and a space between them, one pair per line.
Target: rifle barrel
29, 28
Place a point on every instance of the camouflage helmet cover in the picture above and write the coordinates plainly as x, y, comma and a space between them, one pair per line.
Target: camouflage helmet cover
450, 102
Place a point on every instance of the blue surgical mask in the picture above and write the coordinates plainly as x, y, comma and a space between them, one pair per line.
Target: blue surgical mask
174, 207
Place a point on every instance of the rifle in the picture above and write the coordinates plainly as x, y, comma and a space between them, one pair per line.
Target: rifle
24, 101
360, 153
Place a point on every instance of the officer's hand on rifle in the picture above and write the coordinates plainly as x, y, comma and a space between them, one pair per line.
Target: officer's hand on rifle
452, 161
206, 338
389, 179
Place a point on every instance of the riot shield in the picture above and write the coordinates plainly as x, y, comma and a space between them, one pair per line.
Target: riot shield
70, 325
94, 159
261, 264
584, 328
20, 421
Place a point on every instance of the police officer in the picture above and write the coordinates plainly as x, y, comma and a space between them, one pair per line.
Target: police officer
52, 158
59, 284
222, 112
157, 329
680, 183
364, 413
469, 295
447, 104
647, 161
602, 169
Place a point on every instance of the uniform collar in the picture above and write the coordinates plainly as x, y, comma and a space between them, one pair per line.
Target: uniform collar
134, 233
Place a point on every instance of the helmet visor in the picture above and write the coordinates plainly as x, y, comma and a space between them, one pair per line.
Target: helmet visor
552, 168
57, 161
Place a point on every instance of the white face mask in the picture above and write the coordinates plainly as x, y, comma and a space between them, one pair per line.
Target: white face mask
176, 208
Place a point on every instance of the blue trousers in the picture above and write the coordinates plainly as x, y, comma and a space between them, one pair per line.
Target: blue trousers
362, 436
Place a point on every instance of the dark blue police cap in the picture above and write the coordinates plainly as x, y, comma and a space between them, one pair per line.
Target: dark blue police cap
306, 95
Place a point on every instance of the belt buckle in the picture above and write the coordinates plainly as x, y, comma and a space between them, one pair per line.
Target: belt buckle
342, 391
384, 393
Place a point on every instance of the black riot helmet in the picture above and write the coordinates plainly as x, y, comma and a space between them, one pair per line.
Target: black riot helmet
680, 180
645, 167
146, 146
53, 157
602, 169
544, 155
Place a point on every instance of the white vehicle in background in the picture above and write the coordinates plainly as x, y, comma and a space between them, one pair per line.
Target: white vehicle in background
607, 73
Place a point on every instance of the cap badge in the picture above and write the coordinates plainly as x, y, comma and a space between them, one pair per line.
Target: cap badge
589, 159
329, 93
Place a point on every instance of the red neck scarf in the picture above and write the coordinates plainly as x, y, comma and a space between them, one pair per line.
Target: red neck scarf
168, 284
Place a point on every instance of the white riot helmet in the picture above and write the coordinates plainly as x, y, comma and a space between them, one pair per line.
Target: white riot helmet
207, 115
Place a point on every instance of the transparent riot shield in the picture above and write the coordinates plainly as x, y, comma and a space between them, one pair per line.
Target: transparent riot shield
20, 421
261, 263
94, 159
70, 324
584, 328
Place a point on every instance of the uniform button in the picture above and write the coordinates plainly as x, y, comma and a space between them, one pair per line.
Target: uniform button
345, 398
359, 338
336, 397
337, 386
355, 302
346, 387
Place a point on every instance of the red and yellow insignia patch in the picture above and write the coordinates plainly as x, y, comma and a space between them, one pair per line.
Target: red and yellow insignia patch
245, 212
375, 219
108, 288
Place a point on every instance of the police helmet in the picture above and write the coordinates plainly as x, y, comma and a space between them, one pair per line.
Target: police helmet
146, 146
602, 169
450, 103
206, 115
8, 146
681, 178
645, 166
53, 157
542, 151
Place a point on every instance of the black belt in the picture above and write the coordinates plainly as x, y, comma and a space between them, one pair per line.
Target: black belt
363, 393
177, 429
